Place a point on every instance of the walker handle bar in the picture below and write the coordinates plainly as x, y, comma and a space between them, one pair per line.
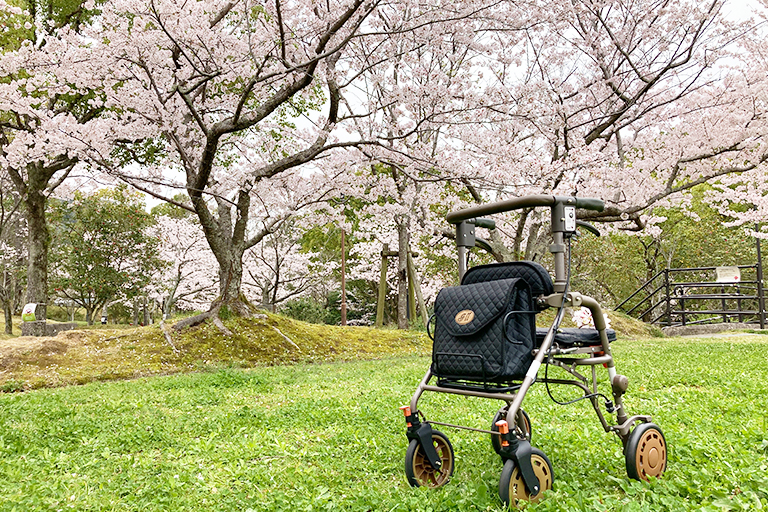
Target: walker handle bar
587, 203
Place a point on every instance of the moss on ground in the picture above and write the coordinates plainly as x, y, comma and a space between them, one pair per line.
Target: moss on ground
81, 356
15, 327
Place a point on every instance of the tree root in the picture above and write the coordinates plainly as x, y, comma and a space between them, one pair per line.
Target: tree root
240, 307
164, 328
213, 315
223, 328
115, 337
286, 338
195, 320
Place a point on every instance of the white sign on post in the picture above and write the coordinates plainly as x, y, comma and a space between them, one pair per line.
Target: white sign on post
728, 274
28, 313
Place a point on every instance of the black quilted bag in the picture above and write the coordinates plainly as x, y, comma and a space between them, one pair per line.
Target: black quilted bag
484, 332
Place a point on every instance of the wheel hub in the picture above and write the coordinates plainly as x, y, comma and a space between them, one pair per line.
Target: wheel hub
653, 457
544, 475
651, 454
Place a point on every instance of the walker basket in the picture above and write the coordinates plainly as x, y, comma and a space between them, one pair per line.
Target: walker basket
484, 332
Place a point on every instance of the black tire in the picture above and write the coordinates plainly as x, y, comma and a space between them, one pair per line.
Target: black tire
420, 472
523, 421
511, 486
646, 452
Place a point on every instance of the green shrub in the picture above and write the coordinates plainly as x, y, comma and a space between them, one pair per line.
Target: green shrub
304, 309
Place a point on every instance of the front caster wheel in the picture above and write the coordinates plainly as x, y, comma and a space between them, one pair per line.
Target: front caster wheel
420, 472
646, 452
523, 423
512, 487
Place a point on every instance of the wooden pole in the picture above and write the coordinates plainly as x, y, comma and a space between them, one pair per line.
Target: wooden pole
760, 289
382, 287
411, 293
417, 286
343, 281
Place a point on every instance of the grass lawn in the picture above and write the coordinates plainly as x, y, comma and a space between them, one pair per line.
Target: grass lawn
331, 437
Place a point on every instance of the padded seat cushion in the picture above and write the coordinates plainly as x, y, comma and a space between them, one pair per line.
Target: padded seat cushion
573, 337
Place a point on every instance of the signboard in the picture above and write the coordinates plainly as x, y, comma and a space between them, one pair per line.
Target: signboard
28, 313
728, 274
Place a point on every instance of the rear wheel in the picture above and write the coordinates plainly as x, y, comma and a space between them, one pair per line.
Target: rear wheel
420, 472
646, 452
512, 488
523, 423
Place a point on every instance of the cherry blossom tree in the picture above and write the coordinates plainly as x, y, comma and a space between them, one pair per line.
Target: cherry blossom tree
45, 120
450, 103
635, 102
278, 269
189, 281
700, 118
638, 103
12, 254
225, 84
734, 162
219, 82
430, 86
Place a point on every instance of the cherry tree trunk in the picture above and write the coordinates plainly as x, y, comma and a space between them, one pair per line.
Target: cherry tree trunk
167, 308
537, 243
171, 300
227, 240
266, 297
230, 278
38, 243
230, 283
8, 317
89, 316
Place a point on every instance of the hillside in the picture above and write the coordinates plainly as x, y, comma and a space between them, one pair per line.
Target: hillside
80, 356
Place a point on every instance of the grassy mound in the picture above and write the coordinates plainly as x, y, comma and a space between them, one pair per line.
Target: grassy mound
100, 353
80, 356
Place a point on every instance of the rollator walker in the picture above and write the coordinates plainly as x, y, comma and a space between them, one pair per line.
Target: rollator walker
486, 345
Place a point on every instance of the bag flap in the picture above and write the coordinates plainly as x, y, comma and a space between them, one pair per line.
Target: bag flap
531, 272
466, 309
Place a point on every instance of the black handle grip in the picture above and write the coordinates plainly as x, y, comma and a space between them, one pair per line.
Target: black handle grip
590, 203
485, 223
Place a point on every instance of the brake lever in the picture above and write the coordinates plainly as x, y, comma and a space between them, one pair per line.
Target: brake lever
589, 227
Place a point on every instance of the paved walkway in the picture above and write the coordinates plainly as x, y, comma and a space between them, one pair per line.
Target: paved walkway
728, 334
711, 330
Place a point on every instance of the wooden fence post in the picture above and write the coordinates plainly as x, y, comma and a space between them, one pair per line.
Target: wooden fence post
411, 295
417, 285
382, 287
343, 281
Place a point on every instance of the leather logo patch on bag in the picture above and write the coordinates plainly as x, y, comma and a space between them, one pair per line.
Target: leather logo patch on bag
464, 317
